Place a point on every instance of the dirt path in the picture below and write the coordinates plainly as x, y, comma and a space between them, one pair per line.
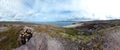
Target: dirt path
112, 39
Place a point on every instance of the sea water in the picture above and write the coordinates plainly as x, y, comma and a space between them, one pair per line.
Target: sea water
56, 23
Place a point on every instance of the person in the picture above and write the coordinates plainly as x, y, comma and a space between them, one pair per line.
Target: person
25, 36
22, 38
28, 34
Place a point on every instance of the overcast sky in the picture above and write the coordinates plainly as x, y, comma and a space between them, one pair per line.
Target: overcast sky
58, 10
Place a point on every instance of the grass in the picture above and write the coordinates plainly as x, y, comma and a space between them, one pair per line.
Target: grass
12, 42
71, 31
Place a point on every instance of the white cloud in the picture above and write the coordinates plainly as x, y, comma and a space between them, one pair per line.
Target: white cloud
53, 10
102, 8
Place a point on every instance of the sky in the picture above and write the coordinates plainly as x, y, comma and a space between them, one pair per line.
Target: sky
59, 10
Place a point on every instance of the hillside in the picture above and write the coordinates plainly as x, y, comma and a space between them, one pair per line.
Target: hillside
88, 36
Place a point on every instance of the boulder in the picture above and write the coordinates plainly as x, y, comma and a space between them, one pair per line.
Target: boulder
4, 38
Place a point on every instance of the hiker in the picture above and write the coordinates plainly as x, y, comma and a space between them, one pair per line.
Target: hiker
28, 34
22, 38
25, 36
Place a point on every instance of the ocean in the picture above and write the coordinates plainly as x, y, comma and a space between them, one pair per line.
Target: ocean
56, 23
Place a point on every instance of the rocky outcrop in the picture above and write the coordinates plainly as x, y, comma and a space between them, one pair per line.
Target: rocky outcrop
112, 39
25, 35
44, 41
41, 41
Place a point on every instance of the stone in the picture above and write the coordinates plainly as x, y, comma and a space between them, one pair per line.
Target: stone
5, 38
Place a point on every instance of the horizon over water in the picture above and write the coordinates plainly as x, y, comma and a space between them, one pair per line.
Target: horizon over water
57, 23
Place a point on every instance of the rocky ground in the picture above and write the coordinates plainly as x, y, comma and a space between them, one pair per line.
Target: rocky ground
45, 37
88, 36
41, 41
112, 39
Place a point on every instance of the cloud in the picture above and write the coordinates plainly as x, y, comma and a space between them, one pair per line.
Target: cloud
58, 10
103, 8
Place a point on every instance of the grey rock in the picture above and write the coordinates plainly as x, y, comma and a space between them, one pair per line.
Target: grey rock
5, 38
41, 42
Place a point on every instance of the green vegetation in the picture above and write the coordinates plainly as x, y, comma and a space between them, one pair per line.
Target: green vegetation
71, 31
11, 41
